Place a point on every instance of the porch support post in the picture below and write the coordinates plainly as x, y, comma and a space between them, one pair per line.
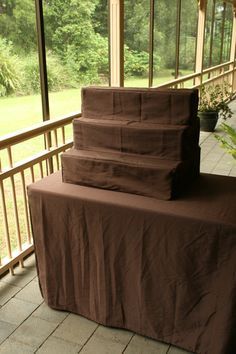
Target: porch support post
233, 51
151, 43
117, 43
43, 75
200, 41
42, 59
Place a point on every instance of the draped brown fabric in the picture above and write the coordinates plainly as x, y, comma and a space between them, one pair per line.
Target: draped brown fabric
164, 269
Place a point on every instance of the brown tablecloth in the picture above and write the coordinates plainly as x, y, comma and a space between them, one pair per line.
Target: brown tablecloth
164, 269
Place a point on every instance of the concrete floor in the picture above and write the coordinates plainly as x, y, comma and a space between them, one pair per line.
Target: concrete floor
27, 325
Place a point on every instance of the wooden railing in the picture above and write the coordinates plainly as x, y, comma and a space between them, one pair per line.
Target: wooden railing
214, 75
33, 153
26, 156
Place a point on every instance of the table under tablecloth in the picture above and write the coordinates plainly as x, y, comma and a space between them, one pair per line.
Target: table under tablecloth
163, 269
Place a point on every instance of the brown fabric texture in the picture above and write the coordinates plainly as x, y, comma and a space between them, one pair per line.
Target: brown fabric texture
174, 142
164, 269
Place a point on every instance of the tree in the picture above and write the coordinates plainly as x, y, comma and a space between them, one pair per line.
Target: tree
71, 35
17, 24
136, 29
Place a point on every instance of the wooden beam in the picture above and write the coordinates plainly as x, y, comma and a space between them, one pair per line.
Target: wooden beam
233, 50
200, 41
117, 42
233, 39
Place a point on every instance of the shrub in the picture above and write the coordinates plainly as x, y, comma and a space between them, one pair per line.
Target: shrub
90, 63
8, 68
58, 76
136, 63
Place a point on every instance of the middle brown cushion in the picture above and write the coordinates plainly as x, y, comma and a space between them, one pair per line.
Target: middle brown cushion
174, 142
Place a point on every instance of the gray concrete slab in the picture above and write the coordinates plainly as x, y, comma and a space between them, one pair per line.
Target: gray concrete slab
12, 347
54, 345
30, 293
16, 311
5, 330
142, 345
7, 291
46, 313
75, 329
33, 332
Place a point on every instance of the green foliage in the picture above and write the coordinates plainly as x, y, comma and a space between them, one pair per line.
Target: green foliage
77, 47
136, 63
136, 29
17, 24
100, 17
187, 53
70, 34
8, 73
165, 17
213, 98
90, 65
228, 141
6, 6
58, 76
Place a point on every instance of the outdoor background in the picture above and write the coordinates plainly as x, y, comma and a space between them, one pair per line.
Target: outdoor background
76, 34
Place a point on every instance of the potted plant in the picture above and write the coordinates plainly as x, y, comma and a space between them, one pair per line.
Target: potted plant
213, 104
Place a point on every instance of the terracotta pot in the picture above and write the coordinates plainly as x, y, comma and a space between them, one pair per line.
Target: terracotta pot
208, 121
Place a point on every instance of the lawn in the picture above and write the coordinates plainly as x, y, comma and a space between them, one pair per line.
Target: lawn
26, 110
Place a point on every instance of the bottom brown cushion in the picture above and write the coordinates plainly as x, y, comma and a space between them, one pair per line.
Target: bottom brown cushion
148, 176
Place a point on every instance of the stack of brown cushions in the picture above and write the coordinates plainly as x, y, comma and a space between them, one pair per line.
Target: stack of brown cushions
142, 141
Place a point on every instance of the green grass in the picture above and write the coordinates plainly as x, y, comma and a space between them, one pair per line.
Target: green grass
20, 112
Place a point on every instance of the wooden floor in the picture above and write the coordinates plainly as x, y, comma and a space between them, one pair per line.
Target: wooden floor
27, 325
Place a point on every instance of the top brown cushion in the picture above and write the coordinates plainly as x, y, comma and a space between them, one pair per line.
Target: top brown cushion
169, 106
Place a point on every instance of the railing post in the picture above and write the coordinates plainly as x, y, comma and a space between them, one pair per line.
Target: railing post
200, 42
117, 42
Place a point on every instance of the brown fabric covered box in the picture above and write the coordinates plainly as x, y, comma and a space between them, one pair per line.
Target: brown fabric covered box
111, 104
145, 175
143, 141
161, 106
169, 106
174, 142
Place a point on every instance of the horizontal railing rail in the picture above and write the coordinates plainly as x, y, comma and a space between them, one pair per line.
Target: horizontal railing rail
35, 130
26, 156
213, 75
